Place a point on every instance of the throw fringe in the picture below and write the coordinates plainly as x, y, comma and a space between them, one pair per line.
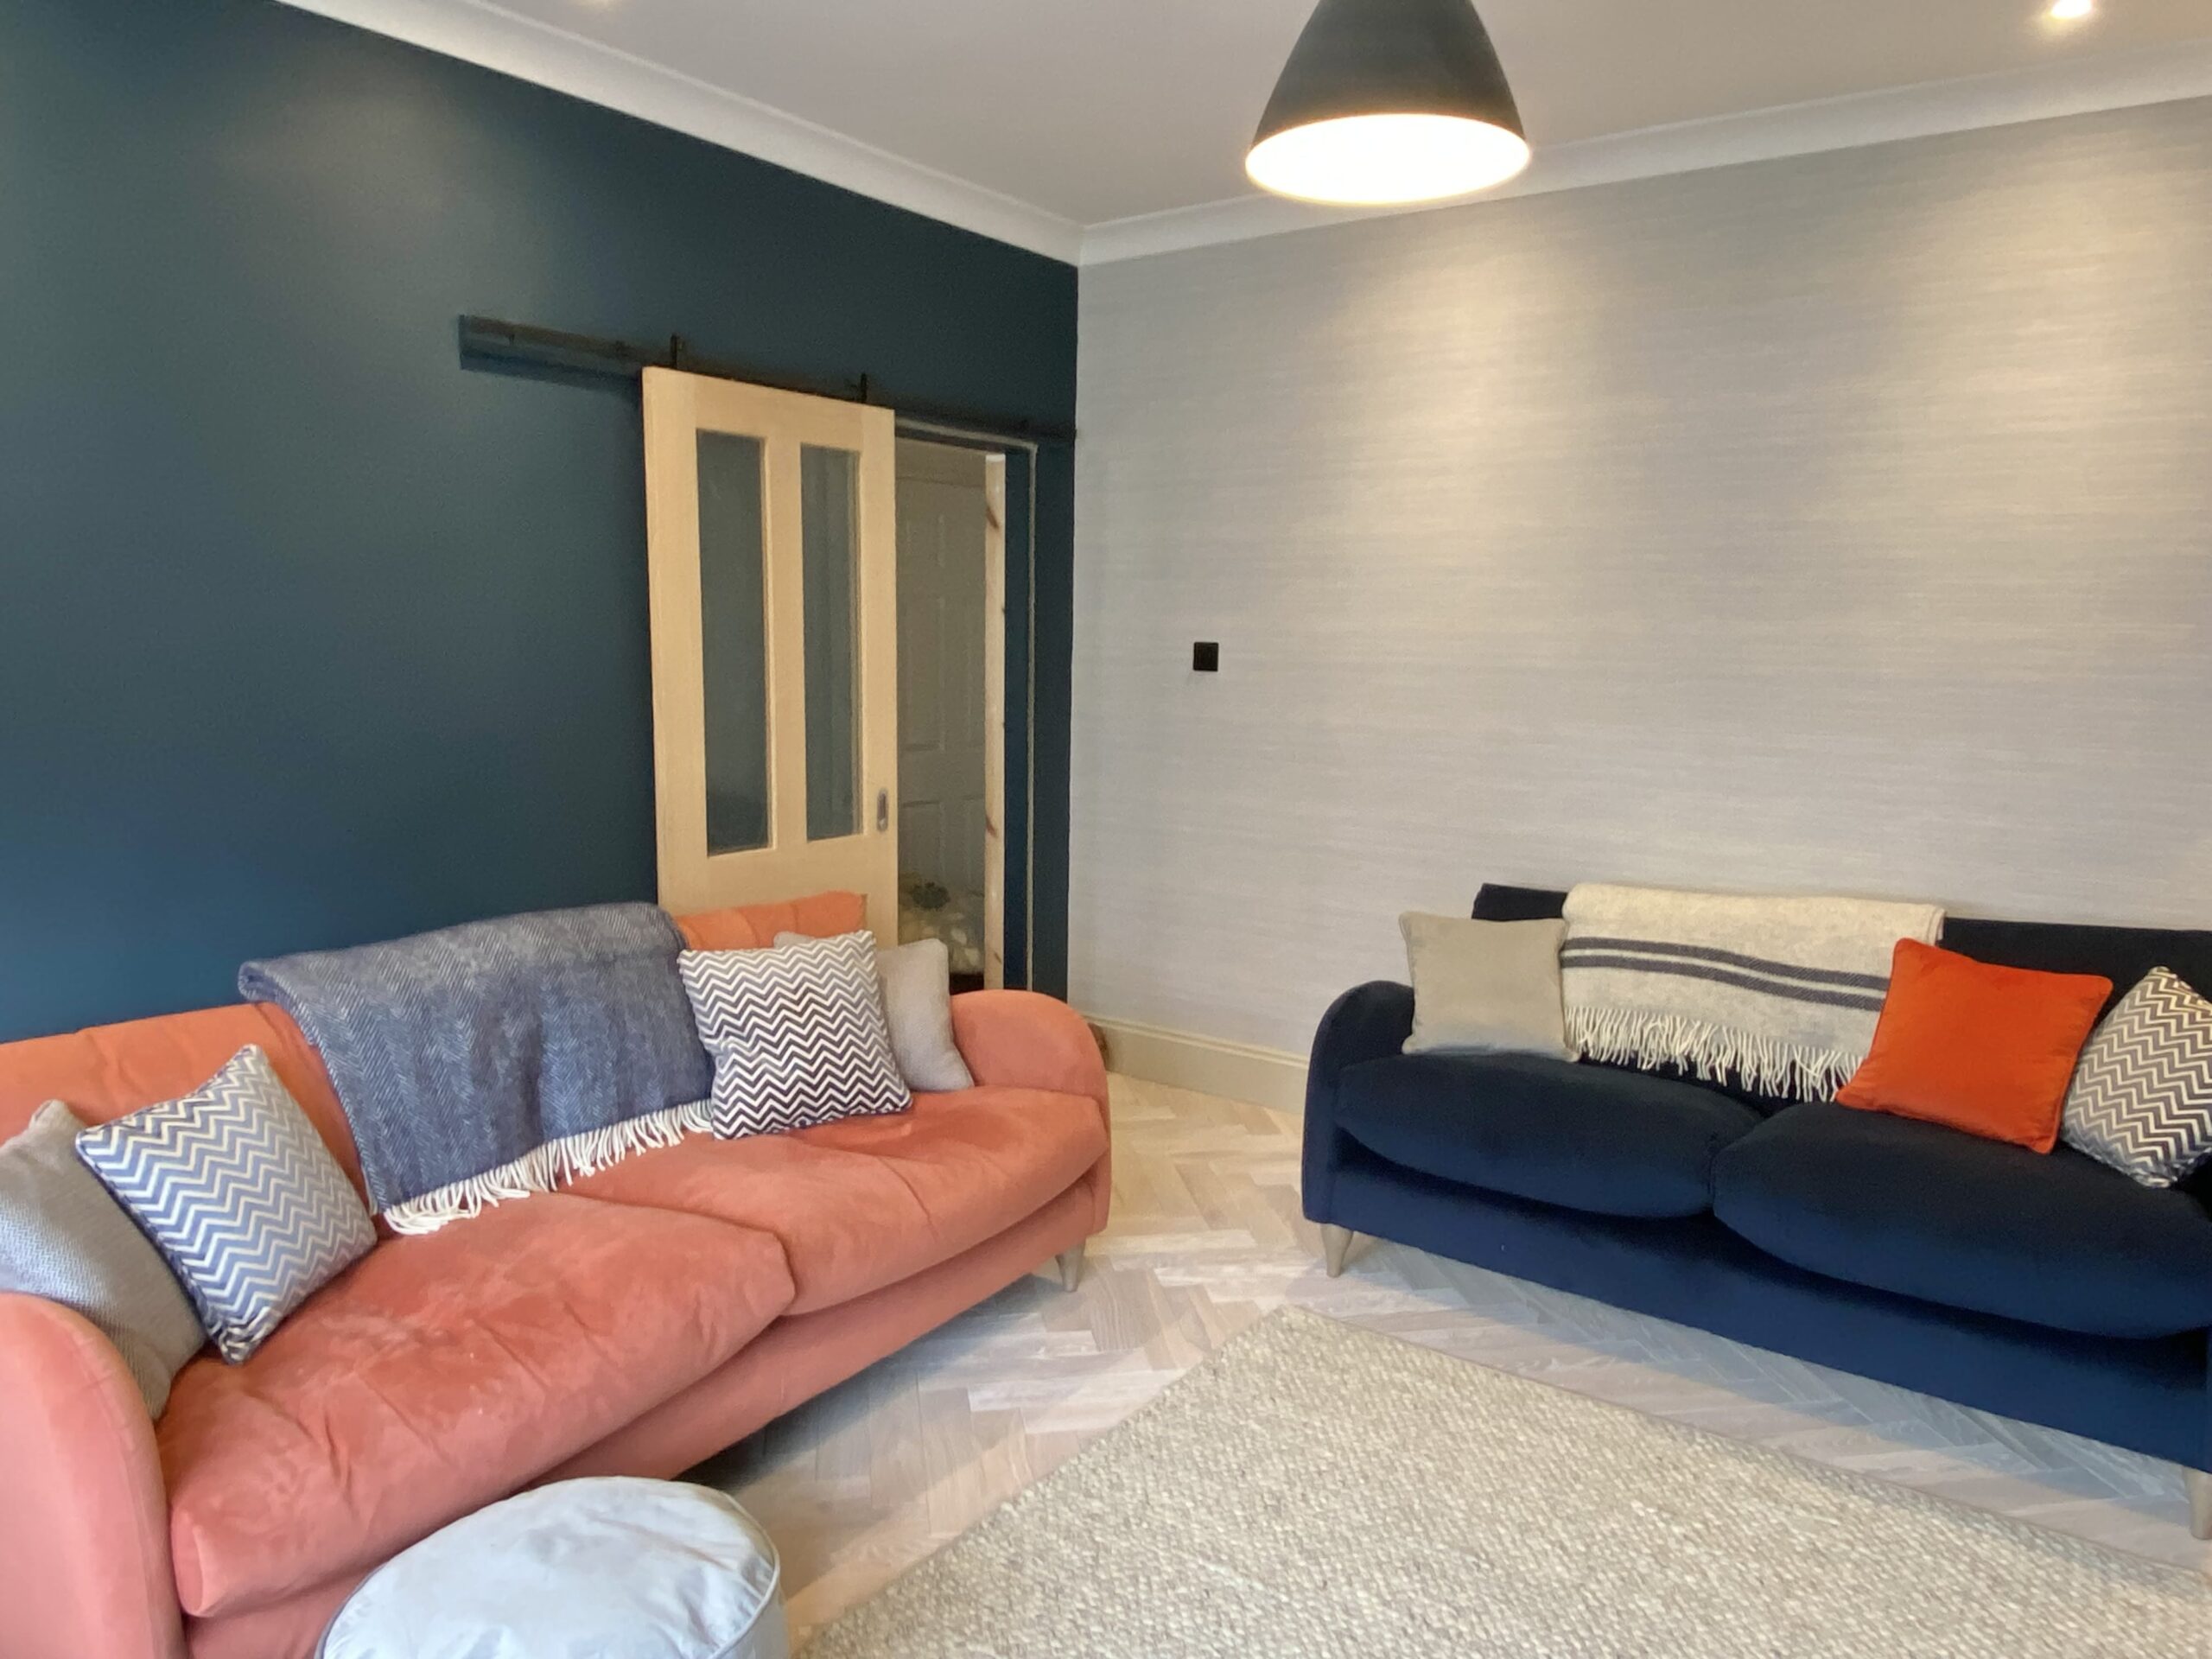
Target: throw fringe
542, 1171
1711, 1053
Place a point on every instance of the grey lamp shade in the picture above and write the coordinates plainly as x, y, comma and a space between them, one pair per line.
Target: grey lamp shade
1428, 65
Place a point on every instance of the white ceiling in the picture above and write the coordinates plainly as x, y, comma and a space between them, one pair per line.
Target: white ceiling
1038, 120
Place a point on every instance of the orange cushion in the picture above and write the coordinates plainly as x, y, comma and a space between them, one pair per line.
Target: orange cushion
867, 1202
754, 927
111, 1070
1977, 1047
441, 1372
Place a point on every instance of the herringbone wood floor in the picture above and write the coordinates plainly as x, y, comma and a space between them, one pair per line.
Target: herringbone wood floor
1206, 1237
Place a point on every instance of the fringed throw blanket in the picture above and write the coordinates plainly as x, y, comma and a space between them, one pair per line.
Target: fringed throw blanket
1777, 994
493, 1061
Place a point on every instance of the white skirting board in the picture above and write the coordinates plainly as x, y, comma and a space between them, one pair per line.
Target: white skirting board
1183, 1059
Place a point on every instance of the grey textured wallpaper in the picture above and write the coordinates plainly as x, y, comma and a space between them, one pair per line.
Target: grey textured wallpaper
1836, 524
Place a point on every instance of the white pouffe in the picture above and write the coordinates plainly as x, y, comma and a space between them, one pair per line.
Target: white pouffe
586, 1569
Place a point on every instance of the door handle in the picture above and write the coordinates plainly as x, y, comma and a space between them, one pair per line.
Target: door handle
882, 809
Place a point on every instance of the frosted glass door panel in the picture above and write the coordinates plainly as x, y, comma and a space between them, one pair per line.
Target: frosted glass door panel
734, 641
829, 519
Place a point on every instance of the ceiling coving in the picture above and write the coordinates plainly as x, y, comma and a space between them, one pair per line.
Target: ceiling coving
1102, 129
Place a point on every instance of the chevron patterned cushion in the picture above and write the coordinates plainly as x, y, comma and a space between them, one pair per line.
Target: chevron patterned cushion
235, 1187
2141, 1099
798, 1034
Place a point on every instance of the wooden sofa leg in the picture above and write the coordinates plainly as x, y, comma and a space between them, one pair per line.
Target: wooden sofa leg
1071, 1268
1336, 1244
2200, 1502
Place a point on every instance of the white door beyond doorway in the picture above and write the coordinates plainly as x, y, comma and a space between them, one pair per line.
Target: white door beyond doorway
951, 542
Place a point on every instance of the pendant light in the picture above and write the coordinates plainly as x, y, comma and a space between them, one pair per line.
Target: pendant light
1387, 101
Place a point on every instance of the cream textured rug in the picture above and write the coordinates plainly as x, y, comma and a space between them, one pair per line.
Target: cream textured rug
1317, 1490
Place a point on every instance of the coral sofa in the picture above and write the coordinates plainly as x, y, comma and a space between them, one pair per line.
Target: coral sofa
634, 1323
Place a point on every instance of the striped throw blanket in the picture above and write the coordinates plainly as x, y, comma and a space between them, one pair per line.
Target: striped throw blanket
1779, 995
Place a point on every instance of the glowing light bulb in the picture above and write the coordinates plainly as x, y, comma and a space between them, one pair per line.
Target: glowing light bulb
1371, 160
2071, 11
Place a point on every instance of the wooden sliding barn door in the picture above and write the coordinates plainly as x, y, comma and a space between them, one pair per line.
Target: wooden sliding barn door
771, 539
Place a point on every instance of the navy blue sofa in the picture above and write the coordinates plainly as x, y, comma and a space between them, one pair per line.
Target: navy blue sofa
2046, 1287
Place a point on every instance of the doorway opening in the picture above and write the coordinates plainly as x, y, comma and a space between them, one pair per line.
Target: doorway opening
951, 522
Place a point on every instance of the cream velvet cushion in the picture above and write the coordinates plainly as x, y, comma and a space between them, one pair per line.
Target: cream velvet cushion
610, 1569
1484, 987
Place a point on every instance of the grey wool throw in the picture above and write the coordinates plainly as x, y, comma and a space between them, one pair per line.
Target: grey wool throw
1779, 994
493, 1060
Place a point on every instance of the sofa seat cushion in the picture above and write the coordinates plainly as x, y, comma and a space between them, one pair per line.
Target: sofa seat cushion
2053, 1239
867, 1202
441, 1372
1587, 1137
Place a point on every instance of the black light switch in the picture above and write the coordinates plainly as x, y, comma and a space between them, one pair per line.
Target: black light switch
1206, 656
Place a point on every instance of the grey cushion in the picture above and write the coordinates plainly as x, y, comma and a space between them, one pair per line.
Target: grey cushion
918, 1001
581, 1569
62, 1237
238, 1191
2141, 1099
1484, 987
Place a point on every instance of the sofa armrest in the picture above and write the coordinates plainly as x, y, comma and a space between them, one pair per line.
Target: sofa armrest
1022, 1039
84, 1528
1367, 1023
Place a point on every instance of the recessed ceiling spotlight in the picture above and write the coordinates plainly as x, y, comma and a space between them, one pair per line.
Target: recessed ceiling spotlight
2071, 11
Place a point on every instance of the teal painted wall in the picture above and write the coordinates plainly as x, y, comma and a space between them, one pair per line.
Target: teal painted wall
309, 634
